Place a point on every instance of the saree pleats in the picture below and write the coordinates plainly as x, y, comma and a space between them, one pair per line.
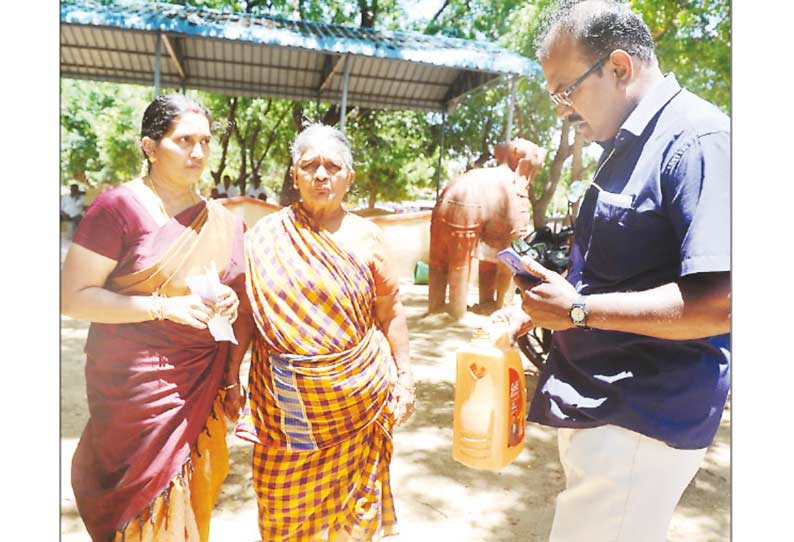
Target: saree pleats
319, 408
181, 513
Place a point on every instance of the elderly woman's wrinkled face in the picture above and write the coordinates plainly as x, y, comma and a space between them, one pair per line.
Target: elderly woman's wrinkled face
320, 174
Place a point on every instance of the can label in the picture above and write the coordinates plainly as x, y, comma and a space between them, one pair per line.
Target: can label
517, 419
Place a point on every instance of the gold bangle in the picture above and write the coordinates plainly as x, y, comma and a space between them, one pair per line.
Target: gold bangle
232, 385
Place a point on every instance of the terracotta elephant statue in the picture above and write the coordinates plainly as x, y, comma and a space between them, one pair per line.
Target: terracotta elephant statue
477, 214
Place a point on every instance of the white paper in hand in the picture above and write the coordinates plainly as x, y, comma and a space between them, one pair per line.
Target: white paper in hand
207, 286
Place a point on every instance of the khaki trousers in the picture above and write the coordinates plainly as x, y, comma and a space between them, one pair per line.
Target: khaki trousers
621, 486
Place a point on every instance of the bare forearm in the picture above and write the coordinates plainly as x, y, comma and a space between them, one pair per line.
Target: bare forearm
243, 331
95, 304
676, 311
395, 328
398, 339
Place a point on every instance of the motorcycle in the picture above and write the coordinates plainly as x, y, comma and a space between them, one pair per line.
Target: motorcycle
552, 249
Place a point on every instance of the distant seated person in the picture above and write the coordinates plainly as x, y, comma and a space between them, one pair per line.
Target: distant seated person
255, 189
226, 189
214, 193
72, 206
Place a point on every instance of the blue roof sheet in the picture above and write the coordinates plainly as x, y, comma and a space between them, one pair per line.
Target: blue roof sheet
274, 31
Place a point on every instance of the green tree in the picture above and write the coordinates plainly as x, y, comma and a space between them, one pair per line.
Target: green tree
100, 125
388, 161
472, 19
693, 40
396, 151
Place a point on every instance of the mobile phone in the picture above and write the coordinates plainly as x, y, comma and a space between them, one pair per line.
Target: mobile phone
512, 260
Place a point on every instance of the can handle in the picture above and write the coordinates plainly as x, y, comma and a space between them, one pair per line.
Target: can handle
477, 371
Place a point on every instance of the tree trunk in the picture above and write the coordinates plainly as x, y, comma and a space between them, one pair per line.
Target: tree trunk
288, 193
368, 13
521, 125
231, 122
241, 142
333, 115
541, 204
251, 155
432, 22
271, 138
577, 166
484, 152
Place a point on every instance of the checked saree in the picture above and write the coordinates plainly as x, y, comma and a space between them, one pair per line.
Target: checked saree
318, 410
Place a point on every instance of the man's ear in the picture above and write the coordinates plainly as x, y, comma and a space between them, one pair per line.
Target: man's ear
621, 64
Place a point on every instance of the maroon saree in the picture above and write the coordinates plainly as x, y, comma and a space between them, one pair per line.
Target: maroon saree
151, 385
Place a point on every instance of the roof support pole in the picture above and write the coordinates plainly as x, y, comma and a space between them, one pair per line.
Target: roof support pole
170, 47
440, 152
157, 54
511, 105
345, 79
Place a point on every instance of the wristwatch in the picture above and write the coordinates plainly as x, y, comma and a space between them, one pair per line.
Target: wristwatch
579, 312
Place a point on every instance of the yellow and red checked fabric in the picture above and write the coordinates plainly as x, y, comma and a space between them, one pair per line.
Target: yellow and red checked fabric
310, 296
336, 494
318, 407
304, 403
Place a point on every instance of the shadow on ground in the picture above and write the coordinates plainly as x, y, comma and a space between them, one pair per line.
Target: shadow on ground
436, 497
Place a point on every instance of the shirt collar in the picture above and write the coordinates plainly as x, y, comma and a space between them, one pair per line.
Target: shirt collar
650, 105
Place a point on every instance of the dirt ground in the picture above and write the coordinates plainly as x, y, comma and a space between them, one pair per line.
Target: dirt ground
436, 497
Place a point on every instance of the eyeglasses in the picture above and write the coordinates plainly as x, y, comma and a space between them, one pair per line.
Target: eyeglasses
564, 96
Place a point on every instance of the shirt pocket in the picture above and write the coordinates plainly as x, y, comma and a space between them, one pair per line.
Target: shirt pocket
626, 243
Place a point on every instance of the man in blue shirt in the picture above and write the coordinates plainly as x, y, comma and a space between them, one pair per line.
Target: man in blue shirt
638, 373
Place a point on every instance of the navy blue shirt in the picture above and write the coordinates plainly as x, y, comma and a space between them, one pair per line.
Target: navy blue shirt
658, 210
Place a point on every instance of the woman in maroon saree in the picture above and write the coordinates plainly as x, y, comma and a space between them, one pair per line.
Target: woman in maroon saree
153, 455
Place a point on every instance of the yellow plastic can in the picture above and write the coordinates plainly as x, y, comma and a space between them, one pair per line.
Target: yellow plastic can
490, 405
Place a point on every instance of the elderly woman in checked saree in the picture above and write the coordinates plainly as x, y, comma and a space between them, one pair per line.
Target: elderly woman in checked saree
153, 454
332, 335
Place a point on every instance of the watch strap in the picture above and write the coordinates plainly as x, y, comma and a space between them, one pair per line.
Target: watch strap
579, 307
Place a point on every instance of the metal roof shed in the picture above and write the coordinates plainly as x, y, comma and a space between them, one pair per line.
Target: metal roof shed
256, 55
241, 54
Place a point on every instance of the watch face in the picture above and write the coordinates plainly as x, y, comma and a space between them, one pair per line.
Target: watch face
578, 315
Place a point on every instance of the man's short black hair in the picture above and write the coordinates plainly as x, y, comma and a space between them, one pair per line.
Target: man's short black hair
599, 26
